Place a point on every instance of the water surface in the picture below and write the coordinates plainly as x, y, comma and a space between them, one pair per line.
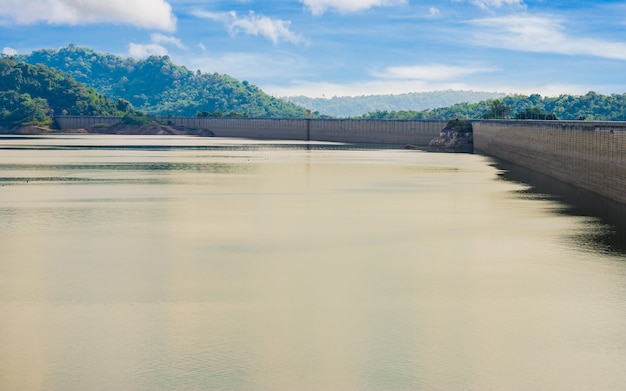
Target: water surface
160, 263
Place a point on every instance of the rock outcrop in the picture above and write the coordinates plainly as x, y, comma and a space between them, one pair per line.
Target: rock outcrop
457, 136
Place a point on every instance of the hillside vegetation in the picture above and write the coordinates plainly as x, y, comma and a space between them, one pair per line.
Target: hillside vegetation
591, 106
157, 86
31, 94
32, 87
346, 106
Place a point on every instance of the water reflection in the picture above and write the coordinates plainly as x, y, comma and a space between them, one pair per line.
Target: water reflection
261, 267
609, 236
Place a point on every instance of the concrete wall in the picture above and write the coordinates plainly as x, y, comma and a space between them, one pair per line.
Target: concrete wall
82, 122
349, 131
376, 131
259, 129
590, 155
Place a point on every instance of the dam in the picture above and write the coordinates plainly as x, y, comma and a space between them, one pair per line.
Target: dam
333, 130
587, 154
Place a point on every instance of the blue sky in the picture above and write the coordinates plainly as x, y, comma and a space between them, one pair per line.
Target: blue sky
349, 47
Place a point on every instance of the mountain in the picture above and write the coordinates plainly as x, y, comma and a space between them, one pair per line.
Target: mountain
158, 86
31, 93
356, 106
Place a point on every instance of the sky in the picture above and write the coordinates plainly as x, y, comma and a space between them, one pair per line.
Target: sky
326, 48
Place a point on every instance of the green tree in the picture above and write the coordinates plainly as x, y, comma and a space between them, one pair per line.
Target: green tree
123, 105
497, 110
534, 113
29, 92
19, 109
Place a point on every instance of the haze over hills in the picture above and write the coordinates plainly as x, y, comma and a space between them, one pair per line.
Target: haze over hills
356, 106
158, 86
591, 106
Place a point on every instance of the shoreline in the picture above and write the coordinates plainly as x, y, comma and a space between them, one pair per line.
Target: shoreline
149, 130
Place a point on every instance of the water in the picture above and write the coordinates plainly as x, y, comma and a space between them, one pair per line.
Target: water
161, 263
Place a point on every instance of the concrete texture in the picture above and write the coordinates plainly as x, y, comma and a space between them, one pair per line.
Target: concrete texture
348, 131
589, 155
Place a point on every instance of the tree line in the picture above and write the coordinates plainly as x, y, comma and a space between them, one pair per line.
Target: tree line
591, 106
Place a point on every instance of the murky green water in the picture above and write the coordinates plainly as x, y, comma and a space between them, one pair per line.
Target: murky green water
162, 263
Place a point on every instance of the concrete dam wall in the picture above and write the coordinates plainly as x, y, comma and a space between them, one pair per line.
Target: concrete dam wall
334, 130
67, 122
589, 155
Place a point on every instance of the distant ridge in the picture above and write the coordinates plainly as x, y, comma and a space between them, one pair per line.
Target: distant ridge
416, 101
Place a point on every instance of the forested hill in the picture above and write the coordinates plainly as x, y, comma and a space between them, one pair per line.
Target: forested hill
31, 94
346, 106
157, 86
591, 106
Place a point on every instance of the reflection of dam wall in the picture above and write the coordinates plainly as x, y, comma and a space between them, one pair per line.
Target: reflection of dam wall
350, 131
589, 155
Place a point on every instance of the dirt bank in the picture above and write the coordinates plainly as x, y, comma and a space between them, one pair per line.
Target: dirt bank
149, 129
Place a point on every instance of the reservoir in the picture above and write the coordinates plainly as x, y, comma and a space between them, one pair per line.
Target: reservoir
181, 263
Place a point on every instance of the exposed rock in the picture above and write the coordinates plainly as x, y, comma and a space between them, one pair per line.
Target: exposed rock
457, 136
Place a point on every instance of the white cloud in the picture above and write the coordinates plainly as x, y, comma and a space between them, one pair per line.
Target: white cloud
7, 51
275, 30
155, 47
487, 4
149, 14
147, 50
433, 12
164, 39
433, 72
541, 35
318, 7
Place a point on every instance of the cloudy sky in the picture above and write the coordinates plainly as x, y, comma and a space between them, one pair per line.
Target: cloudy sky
349, 47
